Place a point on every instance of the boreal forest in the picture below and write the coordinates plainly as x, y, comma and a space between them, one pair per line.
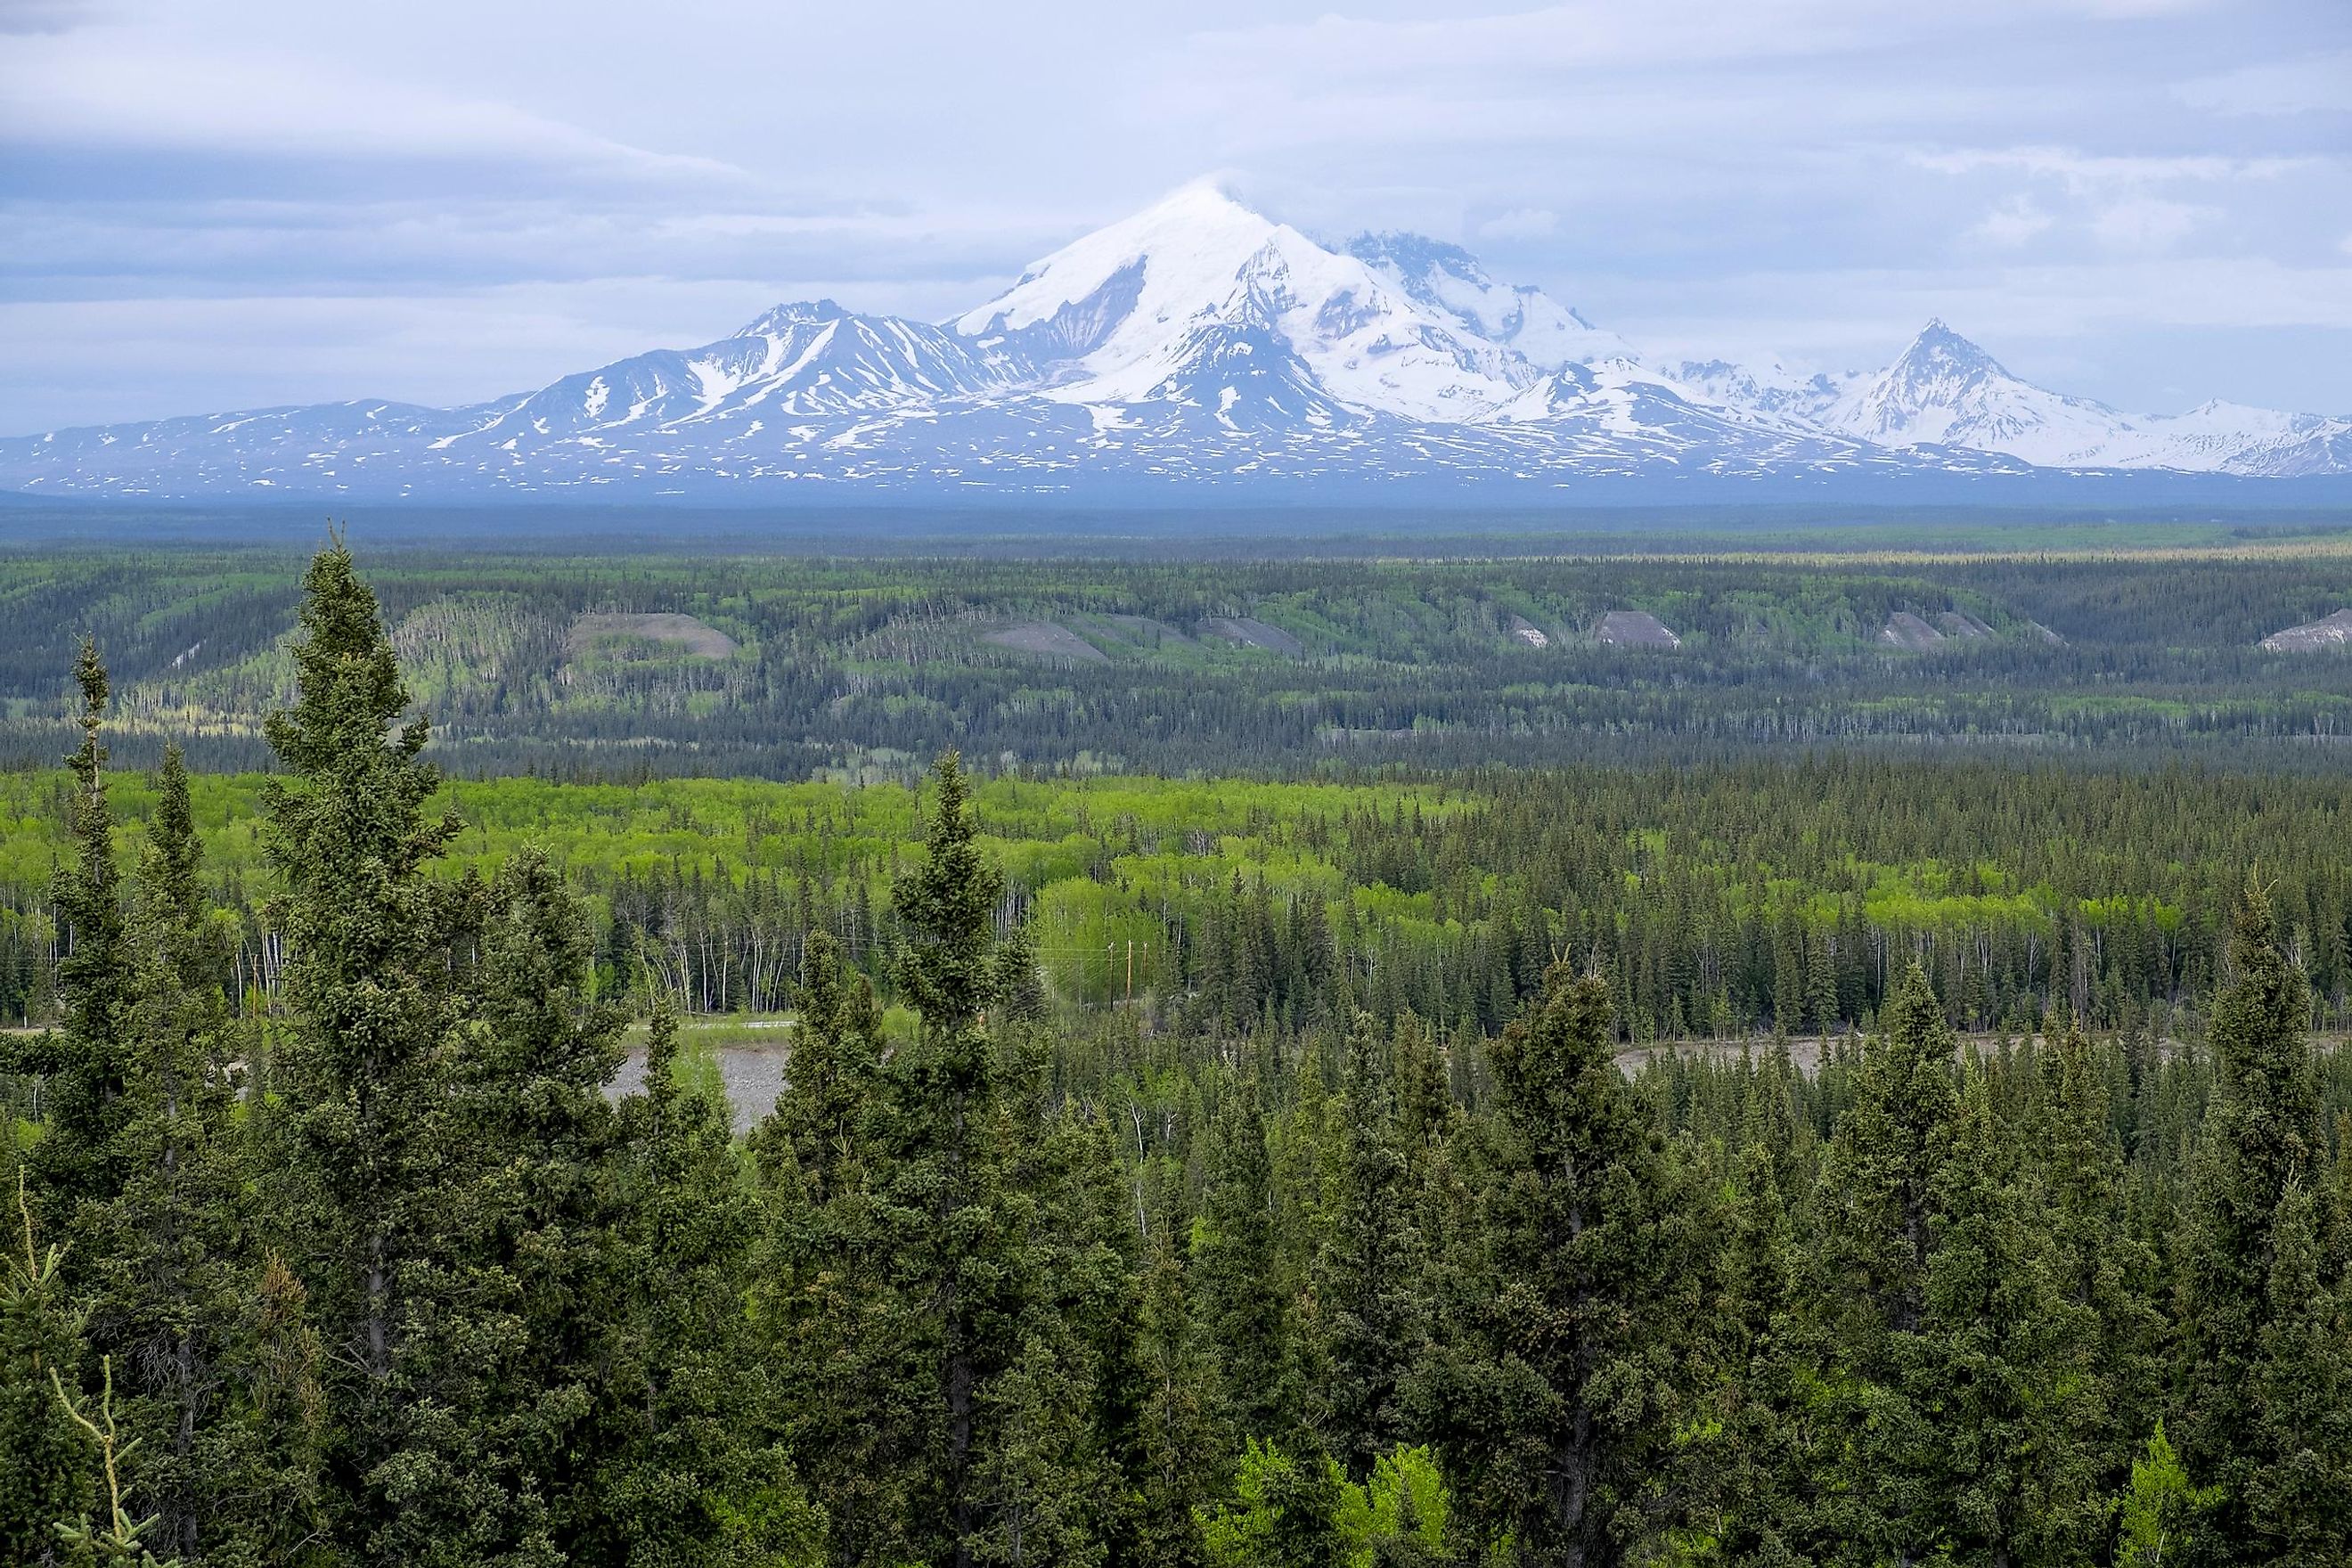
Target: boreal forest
1162, 1064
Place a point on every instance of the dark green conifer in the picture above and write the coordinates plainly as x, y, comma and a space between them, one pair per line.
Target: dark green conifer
2299, 1494
1245, 1310
1179, 1458
85, 1062
2005, 1364
1367, 1271
685, 1472
366, 1144
1569, 1350
171, 1267
42, 1455
2261, 1137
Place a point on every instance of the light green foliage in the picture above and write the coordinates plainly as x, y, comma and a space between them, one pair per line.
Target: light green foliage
1301, 1510
1284, 1513
2159, 1518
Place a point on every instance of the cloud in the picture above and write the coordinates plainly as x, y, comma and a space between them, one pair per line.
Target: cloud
27, 17
2143, 224
1520, 223
2086, 171
2012, 223
2317, 83
53, 93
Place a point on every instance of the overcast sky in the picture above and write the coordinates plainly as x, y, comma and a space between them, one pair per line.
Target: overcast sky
210, 206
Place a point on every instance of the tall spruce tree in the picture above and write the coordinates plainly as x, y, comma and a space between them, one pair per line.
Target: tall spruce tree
1866, 1287
1242, 1302
2005, 1364
1768, 1454
1179, 1455
86, 1063
825, 1300
42, 1456
171, 1268
2299, 1496
2261, 1137
1367, 1272
522, 1263
1568, 1352
950, 1246
364, 1145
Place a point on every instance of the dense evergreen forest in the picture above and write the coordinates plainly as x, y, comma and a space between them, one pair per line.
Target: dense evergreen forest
628, 666
1339, 1236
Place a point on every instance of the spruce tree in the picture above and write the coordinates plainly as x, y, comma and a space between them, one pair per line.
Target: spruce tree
1764, 1465
826, 1301
1062, 1449
1880, 1168
2299, 1494
956, 1290
524, 1260
1866, 1278
685, 1472
171, 1268
1245, 1310
363, 1145
1367, 1270
1179, 1459
86, 1063
1568, 1352
42, 1456
2261, 1137
2005, 1364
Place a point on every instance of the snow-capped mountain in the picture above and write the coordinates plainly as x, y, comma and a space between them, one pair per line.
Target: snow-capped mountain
1118, 313
1197, 343
1943, 391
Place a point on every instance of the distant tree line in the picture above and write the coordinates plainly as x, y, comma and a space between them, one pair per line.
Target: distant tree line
867, 668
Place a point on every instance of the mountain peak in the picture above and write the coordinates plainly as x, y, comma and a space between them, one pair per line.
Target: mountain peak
1186, 246
781, 318
1944, 350
1207, 195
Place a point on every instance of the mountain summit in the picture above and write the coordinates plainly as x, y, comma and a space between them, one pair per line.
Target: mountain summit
1196, 343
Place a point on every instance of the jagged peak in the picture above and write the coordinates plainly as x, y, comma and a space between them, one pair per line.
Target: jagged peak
1938, 344
778, 318
1403, 249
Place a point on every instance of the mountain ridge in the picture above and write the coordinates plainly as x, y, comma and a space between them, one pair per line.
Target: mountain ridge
1196, 343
